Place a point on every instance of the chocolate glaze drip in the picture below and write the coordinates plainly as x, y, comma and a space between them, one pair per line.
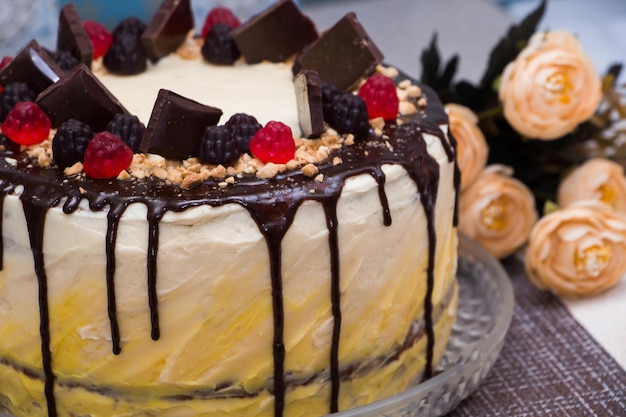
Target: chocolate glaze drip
113, 221
272, 204
274, 221
35, 218
330, 209
153, 246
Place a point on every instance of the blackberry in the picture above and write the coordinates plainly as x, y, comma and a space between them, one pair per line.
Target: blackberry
330, 93
349, 115
128, 128
243, 127
219, 46
70, 142
126, 54
130, 26
11, 95
65, 60
218, 146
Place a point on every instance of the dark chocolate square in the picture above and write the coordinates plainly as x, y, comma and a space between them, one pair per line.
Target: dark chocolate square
308, 89
343, 54
80, 95
275, 34
168, 29
33, 66
72, 36
176, 126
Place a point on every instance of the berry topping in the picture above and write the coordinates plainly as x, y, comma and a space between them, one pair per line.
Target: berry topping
26, 124
219, 46
70, 142
101, 39
219, 15
274, 143
126, 55
330, 93
106, 156
128, 128
381, 98
349, 115
131, 26
5, 61
65, 60
218, 146
243, 127
11, 95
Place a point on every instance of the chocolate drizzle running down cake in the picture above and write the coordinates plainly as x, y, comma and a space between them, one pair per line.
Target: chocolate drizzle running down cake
301, 294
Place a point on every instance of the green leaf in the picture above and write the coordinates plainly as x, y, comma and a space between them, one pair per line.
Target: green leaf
432, 74
549, 206
430, 63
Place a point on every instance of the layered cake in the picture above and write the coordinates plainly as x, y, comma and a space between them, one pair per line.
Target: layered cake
241, 233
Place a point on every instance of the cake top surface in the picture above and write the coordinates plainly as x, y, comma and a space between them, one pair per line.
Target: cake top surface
182, 86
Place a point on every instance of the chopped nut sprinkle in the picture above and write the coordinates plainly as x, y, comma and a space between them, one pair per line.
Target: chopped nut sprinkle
191, 172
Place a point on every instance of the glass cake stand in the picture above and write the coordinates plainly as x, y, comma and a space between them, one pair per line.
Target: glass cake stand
486, 304
485, 311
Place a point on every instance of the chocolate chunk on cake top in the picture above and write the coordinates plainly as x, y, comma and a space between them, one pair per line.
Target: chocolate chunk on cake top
275, 34
72, 36
168, 29
343, 54
176, 126
308, 89
32, 65
80, 95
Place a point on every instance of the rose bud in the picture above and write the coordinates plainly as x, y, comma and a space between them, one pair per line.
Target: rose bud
497, 211
597, 179
550, 88
577, 250
472, 147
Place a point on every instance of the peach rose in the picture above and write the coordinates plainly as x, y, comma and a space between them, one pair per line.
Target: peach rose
497, 211
578, 250
597, 179
550, 88
472, 147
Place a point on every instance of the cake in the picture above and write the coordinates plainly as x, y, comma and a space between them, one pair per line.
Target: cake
182, 288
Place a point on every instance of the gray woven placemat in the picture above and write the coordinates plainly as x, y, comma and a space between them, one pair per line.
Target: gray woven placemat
549, 364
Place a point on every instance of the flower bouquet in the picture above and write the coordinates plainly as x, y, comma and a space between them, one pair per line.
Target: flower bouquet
541, 149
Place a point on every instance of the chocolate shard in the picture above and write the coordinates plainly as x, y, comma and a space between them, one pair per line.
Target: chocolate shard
308, 88
345, 42
33, 66
168, 29
275, 34
176, 126
80, 95
72, 36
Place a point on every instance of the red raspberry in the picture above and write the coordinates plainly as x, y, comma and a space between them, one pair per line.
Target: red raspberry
221, 15
100, 38
381, 98
26, 124
106, 156
5, 61
273, 143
